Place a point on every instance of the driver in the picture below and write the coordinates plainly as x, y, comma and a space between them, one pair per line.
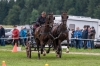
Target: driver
41, 19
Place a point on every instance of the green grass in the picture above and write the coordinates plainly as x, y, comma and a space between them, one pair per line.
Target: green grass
85, 50
9, 47
20, 59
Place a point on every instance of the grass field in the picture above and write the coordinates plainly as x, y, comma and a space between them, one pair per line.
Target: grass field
20, 59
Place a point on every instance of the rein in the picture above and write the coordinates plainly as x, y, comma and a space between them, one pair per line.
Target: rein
44, 26
61, 33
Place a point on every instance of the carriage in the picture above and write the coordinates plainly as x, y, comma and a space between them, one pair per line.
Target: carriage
49, 34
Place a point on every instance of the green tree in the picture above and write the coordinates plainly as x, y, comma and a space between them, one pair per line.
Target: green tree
68, 4
34, 15
97, 12
72, 11
57, 12
3, 10
11, 3
22, 16
20, 3
13, 16
91, 7
22, 12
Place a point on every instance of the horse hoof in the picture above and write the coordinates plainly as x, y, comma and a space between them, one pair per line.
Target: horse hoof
57, 56
38, 58
67, 51
44, 53
47, 51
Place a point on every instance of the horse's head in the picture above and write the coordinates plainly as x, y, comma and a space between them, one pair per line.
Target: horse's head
64, 17
49, 19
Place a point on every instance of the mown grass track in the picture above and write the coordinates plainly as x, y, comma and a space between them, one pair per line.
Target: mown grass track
20, 59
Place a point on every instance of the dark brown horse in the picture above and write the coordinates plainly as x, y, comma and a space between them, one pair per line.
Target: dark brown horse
64, 34
42, 34
60, 33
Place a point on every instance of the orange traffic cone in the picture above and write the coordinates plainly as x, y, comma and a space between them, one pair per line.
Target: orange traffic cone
3, 63
15, 48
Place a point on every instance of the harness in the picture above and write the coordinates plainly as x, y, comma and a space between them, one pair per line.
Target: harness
61, 33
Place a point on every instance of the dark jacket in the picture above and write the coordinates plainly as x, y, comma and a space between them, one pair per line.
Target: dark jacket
72, 35
2, 32
85, 34
89, 35
93, 32
40, 20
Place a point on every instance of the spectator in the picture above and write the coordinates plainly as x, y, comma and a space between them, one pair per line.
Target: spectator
23, 36
85, 36
93, 37
15, 35
78, 35
89, 37
20, 35
2, 35
72, 40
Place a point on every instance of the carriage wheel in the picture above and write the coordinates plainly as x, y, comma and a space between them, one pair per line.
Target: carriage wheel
28, 50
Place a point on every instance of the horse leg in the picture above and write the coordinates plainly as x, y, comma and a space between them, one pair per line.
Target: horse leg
37, 42
38, 52
44, 51
59, 49
67, 50
48, 49
56, 47
42, 46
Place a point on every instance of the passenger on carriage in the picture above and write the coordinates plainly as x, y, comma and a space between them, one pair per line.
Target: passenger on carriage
40, 20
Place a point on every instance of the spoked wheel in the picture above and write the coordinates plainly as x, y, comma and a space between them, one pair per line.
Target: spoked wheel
28, 50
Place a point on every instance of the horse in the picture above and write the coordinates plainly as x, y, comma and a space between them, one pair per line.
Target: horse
42, 34
64, 34
60, 33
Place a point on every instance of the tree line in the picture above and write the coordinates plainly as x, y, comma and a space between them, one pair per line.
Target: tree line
26, 11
